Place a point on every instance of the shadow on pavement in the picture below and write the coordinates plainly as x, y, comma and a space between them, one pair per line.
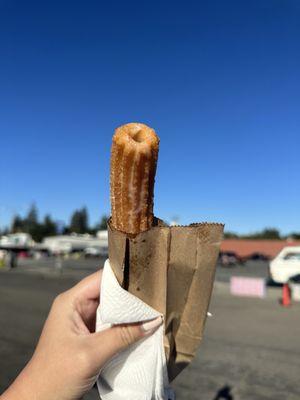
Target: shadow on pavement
224, 393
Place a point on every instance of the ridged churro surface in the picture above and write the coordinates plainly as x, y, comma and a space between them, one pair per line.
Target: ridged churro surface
132, 172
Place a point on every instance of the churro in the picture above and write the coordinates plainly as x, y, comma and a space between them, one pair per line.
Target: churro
133, 165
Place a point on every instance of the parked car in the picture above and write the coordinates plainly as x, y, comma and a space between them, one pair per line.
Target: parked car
285, 265
258, 257
229, 259
95, 252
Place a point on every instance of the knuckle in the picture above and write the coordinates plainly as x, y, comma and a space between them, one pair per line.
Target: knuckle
58, 299
127, 335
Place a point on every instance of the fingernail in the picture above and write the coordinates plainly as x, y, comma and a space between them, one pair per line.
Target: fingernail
151, 325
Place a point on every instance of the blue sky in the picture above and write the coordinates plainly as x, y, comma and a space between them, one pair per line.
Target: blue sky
219, 82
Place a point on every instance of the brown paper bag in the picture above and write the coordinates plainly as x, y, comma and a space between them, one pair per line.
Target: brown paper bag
171, 268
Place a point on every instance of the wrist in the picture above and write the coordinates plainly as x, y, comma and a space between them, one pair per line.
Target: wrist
22, 388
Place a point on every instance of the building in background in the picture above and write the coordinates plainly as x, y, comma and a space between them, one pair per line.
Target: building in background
20, 243
16, 239
244, 249
77, 242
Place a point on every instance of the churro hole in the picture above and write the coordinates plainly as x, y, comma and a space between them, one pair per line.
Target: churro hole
138, 136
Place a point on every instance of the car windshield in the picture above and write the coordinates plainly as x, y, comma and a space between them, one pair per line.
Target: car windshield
292, 256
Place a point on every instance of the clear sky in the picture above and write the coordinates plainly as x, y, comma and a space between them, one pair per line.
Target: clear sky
218, 80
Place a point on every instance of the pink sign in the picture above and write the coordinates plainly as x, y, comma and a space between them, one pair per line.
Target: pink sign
243, 286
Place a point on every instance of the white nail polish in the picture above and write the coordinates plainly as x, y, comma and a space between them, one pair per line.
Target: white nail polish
151, 325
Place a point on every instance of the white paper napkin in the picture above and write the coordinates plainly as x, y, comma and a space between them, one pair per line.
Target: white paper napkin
139, 372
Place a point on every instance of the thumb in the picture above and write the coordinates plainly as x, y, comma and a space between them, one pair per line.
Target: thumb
117, 338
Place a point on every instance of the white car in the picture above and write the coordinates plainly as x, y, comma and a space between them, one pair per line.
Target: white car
285, 265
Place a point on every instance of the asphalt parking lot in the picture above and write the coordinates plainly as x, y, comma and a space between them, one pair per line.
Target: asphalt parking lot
258, 269
254, 269
250, 348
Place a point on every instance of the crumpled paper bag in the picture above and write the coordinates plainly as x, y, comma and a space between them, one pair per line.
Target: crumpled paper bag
170, 268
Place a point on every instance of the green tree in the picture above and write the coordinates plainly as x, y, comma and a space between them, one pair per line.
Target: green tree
37, 232
32, 216
49, 226
101, 226
17, 224
79, 221
31, 224
267, 233
295, 235
230, 235
103, 223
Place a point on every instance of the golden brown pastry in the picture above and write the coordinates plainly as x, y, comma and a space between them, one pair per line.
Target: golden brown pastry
132, 172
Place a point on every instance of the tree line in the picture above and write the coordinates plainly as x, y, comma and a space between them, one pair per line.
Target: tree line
79, 223
39, 229
267, 233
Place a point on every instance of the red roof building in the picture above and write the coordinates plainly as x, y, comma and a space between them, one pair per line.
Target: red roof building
246, 248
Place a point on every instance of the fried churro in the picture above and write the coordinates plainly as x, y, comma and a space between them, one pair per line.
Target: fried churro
133, 165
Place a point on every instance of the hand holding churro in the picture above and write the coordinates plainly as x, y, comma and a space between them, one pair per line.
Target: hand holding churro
154, 262
133, 166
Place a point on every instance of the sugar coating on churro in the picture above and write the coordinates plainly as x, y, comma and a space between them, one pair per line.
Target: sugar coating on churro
133, 165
